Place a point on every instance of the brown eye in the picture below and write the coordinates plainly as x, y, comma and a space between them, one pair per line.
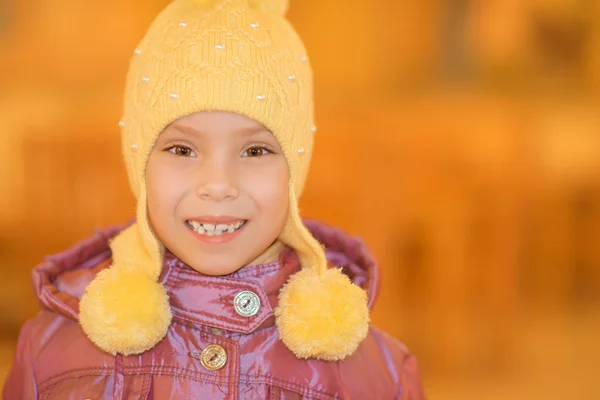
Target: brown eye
181, 151
256, 151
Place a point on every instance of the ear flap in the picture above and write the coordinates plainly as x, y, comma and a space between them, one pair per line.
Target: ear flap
125, 310
321, 313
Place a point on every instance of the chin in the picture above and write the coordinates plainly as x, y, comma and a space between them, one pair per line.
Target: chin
216, 267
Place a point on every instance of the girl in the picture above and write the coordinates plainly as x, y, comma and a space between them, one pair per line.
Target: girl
218, 290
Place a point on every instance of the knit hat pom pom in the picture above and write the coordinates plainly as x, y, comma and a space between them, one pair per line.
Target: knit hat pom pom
322, 316
125, 311
278, 7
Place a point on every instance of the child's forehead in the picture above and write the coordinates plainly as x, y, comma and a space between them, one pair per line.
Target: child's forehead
209, 123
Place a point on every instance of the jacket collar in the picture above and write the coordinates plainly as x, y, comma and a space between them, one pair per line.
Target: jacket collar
209, 300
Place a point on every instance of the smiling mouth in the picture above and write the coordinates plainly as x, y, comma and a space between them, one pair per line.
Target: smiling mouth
216, 229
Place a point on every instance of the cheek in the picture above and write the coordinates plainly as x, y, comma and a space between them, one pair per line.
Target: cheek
270, 190
163, 189
154, 199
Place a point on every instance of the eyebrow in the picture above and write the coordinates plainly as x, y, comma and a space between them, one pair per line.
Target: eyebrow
252, 130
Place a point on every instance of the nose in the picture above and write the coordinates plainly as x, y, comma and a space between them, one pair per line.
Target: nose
217, 181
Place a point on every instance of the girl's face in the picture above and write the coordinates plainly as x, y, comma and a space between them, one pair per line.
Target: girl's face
217, 186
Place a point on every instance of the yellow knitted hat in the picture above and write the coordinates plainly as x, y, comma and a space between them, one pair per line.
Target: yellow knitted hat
240, 56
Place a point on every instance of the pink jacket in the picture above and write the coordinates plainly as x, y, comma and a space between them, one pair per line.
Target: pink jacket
55, 360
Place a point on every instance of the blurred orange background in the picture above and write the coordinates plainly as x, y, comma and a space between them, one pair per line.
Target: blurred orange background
460, 139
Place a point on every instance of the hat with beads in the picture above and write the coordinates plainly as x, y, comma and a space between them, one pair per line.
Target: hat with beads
240, 56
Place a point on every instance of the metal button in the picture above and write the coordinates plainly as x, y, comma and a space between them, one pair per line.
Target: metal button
213, 357
246, 303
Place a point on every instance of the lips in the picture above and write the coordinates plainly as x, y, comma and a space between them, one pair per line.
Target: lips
223, 219
216, 228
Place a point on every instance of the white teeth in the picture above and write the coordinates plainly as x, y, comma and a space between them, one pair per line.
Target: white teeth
212, 230
209, 227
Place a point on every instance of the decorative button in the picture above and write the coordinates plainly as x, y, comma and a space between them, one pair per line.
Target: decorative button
246, 303
213, 357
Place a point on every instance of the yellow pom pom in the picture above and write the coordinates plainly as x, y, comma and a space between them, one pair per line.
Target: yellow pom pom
323, 317
278, 7
125, 311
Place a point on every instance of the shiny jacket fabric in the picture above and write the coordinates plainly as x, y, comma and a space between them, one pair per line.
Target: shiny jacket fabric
55, 360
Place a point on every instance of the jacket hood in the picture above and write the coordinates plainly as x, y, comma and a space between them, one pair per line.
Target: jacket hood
60, 281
